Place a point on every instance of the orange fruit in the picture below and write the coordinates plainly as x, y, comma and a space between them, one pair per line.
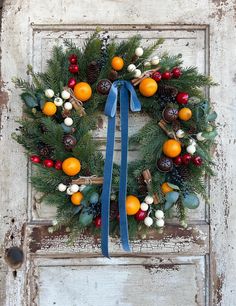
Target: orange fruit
171, 148
117, 63
76, 198
83, 91
132, 205
166, 188
185, 114
49, 109
71, 166
148, 87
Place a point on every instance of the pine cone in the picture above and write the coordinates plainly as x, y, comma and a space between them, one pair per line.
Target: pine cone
93, 72
113, 75
175, 125
44, 150
166, 90
192, 129
114, 210
184, 172
142, 185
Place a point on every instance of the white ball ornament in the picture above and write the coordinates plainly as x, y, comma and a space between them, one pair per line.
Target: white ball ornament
148, 221
159, 214
192, 142
74, 188
61, 187
69, 191
144, 206
65, 95
180, 133
131, 68
191, 149
49, 93
200, 137
155, 60
139, 51
54, 222
68, 121
148, 199
137, 73
160, 222
147, 64
68, 106
58, 101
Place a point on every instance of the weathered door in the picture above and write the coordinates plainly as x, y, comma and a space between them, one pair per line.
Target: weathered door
193, 266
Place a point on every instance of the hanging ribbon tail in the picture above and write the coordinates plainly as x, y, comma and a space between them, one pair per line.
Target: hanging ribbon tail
110, 111
127, 97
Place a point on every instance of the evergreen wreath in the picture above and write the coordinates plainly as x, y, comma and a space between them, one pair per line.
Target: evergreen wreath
63, 106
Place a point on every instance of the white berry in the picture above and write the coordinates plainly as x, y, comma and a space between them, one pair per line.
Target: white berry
131, 68
81, 188
68, 106
54, 222
200, 137
65, 95
148, 221
69, 191
191, 149
139, 51
58, 101
147, 64
180, 133
137, 73
159, 214
155, 60
74, 188
113, 197
148, 199
160, 222
49, 93
144, 206
50, 230
68, 121
61, 187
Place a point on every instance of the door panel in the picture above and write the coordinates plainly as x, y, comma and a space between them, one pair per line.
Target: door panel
193, 266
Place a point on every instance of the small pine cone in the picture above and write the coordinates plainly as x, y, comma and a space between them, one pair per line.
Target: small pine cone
44, 150
176, 125
142, 185
114, 210
167, 90
184, 172
192, 129
93, 72
113, 75
43, 128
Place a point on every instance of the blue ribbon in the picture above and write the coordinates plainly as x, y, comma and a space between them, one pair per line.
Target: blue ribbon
128, 97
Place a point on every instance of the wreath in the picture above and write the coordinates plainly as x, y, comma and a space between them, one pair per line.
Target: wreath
63, 109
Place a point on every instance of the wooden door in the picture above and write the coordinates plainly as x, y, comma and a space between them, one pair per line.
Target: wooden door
192, 266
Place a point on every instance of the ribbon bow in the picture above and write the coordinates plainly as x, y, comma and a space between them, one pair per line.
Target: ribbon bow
128, 98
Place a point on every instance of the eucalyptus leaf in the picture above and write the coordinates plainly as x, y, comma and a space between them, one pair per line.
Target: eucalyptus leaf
29, 100
173, 186
77, 209
172, 196
210, 135
191, 201
85, 218
168, 205
212, 116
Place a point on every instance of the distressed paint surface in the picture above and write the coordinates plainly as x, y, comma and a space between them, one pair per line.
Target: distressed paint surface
213, 25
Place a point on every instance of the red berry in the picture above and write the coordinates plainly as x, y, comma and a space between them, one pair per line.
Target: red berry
166, 75
97, 221
182, 98
71, 83
48, 163
73, 68
156, 76
35, 159
140, 215
177, 160
58, 165
73, 59
186, 158
197, 161
176, 72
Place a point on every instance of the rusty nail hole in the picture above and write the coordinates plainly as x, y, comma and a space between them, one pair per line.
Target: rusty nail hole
13, 220
14, 273
14, 256
12, 237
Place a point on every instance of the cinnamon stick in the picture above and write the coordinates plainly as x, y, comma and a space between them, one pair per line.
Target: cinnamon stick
90, 180
148, 180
